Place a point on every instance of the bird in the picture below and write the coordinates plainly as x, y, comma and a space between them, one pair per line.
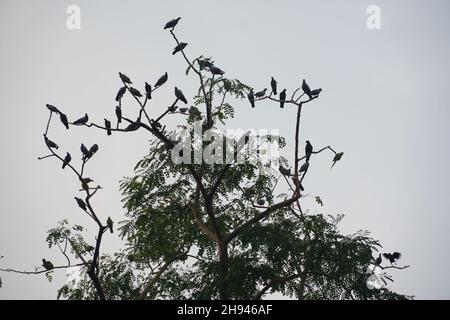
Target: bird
378, 260
392, 257
304, 167
67, 159
50, 143
282, 98
119, 114
108, 126
183, 110
47, 265
179, 47
133, 126
179, 94
161, 80
316, 92
215, 70
88, 248
203, 63
135, 92
284, 171
172, 108
120, 93
52, 108
273, 84
124, 78
148, 90
109, 223
93, 149
85, 152
85, 183
82, 121
336, 158
81, 203
308, 150
306, 89
172, 23
64, 120
251, 98
261, 93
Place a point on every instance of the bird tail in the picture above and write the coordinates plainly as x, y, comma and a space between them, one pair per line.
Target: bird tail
334, 162
281, 104
173, 53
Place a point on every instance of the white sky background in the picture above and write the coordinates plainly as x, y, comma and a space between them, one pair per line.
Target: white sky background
385, 104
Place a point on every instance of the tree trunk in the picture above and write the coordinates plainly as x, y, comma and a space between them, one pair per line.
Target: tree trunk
224, 289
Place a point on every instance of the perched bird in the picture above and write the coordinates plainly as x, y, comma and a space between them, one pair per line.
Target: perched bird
120, 93
108, 126
179, 94
88, 248
47, 265
284, 171
67, 159
378, 260
304, 167
306, 89
52, 108
109, 223
50, 143
85, 152
172, 23
124, 78
161, 80
251, 98
93, 149
261, 93
315, 92
203, 63
308, 150
183, 110
282, 98
336, 158
135, 92
64, 120
148, 91
133, 126
392, 257
119, 114
85, 183
273, 84
179, 47
172, 108
81, 203
215, 70
82, 121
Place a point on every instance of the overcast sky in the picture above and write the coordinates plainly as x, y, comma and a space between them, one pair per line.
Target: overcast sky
384, 103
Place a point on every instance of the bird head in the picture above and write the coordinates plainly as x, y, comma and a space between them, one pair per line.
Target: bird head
307, 142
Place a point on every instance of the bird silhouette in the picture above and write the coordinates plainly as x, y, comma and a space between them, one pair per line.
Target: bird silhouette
135, 92
179, 47
251, 98
392, 257
133, 126
203, 63
88, 248
148, 91
284, 171
179, 94
47, 265
64, 120
110, 223
215, 70
67, 159
183, 110
304, 167
52, 108
261, 93
378, 260
108, 127
124, 78
308, 150
315, 93
85, 152
82, 120
336, 158
120, 93
306, 89
162, 80
93, 149
50, 143
172, 23
282, 98
81, 203
119, 114
273, 85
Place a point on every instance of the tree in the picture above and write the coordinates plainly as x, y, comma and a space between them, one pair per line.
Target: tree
217, 228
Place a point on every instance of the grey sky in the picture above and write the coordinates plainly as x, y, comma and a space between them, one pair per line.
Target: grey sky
385, 104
